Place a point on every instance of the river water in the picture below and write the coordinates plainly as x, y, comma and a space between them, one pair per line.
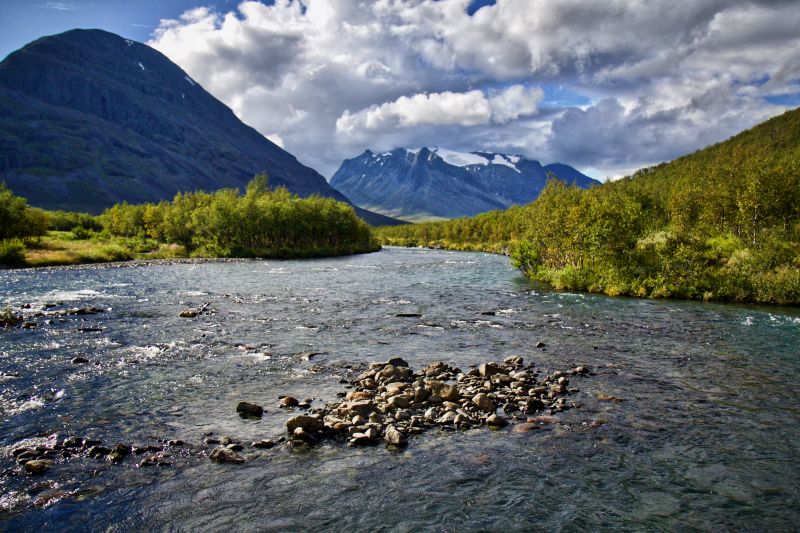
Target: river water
707, 435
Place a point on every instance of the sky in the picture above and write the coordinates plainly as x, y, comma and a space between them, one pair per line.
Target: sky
605, 86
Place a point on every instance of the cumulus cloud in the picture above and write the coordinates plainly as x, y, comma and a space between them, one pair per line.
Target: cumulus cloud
650, 80
470, 108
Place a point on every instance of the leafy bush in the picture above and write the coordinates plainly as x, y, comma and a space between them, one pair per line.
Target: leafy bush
259, 223
68, 221
12, 252
17, 219
79, 233
780, 286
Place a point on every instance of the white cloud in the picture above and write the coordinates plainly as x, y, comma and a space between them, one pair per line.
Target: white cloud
275, 138
647, 80
515, 102
59, 6
448, 108
465, 109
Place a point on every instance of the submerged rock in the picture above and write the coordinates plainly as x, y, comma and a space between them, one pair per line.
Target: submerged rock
289, 401
38, 466
249, 409
98, 451
226, 455
72, 442
119, 452
525, 427
608, 398
157, 459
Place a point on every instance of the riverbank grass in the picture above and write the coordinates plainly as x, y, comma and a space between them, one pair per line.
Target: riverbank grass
59, 248
69, 248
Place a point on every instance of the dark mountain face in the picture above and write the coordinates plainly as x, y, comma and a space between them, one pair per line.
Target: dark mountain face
438, 183
89, 119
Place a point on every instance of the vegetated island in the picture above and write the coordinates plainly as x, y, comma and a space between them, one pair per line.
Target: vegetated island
226, 223
720, 224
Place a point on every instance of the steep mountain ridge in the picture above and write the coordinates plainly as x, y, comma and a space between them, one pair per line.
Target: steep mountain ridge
89, 119
436, 183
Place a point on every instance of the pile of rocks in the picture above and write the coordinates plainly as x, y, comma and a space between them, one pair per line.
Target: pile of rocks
39, 458
8, 319
389, 402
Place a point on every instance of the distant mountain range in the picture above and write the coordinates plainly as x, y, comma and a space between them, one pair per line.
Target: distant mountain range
89, 119
435, 183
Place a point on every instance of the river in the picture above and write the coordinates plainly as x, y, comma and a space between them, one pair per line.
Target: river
706, 434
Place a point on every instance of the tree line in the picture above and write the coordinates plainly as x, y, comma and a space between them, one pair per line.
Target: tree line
227, 223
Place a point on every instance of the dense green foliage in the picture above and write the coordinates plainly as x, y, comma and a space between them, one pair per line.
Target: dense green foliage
70, 221
12, 252
258, 223
17, 220
226, 223
720, 224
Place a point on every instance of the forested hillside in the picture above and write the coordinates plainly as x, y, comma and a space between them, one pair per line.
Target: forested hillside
720, 224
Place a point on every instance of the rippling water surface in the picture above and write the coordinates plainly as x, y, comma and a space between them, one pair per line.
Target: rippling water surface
707, 437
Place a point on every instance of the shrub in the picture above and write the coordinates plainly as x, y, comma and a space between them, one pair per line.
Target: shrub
79, 233
67, 221
17, 219
12, 252
115, 252
781, 286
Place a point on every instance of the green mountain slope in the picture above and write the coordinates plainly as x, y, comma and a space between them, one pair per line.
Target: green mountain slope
722, 223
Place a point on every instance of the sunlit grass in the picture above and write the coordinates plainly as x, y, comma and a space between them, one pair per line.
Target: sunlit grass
58, 248
61, 248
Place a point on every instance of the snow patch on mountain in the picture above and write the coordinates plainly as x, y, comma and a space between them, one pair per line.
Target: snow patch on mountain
464, 159
460, 159
501, 159
434, 183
